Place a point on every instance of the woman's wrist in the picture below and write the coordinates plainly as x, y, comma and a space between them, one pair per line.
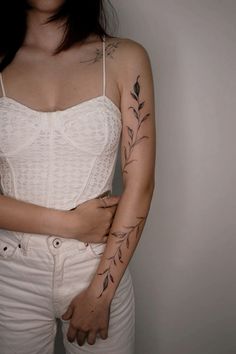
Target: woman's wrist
58, 222
95, 288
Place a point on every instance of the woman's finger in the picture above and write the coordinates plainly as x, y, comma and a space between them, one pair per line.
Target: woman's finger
108, 202
81, 336
71, 334
91, 338
103, 200
67, 315
103, 333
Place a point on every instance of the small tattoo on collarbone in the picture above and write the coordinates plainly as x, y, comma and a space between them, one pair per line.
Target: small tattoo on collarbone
109, 51
123, 240
134, 136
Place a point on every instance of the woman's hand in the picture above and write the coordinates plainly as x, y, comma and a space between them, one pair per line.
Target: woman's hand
88, 316
90, 222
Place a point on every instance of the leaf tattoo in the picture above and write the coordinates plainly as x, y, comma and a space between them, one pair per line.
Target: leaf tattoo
123, 240
133, 134
109, 51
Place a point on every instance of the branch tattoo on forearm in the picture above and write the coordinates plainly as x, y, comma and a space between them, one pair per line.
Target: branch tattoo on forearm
123, 237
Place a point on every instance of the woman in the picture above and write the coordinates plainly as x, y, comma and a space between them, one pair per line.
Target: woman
70, 94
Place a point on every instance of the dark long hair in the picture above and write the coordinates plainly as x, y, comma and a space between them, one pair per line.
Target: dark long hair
80, 19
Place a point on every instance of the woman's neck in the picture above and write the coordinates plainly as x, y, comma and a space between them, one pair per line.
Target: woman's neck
44, 36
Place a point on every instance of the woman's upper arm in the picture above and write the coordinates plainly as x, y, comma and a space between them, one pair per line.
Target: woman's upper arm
138, 117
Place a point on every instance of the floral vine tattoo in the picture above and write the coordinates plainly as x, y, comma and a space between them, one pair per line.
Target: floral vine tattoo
123, 240
133, 134
109, 51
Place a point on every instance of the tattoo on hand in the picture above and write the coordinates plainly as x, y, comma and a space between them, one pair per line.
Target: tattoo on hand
123, 240
109, 51
133, 135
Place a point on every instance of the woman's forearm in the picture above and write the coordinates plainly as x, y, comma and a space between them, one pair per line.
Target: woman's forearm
124, 236
88, 222
16, 215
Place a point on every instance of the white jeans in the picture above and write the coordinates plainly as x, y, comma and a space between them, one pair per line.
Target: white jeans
39, 276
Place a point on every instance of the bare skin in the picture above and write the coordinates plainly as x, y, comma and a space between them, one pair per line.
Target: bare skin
45, 82
89, 222
56, 83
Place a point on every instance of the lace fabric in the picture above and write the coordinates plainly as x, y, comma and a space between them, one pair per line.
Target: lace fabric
58, 159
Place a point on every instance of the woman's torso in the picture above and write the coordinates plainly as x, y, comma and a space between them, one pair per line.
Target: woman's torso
62, 157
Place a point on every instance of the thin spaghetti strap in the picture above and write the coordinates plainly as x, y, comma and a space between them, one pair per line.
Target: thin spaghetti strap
104, 64
2, 86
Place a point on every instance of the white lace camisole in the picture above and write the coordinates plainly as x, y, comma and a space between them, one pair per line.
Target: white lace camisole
58, 159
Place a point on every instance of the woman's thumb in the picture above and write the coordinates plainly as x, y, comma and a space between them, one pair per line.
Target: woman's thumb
67, 315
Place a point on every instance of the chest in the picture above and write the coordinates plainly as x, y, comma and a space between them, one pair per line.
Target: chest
92, 127
56, 83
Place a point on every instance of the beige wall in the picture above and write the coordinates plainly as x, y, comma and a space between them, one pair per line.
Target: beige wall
184, 267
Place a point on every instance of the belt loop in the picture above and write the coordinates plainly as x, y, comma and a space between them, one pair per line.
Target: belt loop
82, 246
24, 243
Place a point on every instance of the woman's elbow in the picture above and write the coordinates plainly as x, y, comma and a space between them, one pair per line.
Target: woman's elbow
144, 187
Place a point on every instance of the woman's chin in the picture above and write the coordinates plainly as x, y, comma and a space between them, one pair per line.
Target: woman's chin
47, 6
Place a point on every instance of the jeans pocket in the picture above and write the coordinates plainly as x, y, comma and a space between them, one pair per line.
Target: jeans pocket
7, 250
97, 249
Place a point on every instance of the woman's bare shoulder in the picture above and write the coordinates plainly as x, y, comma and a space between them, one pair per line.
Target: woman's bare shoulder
126, 48
119, 51
128, 57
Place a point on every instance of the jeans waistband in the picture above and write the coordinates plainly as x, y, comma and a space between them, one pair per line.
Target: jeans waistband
54, 243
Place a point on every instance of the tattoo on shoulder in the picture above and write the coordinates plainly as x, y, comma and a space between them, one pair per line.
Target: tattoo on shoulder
134, 136
109, 51
123, 241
